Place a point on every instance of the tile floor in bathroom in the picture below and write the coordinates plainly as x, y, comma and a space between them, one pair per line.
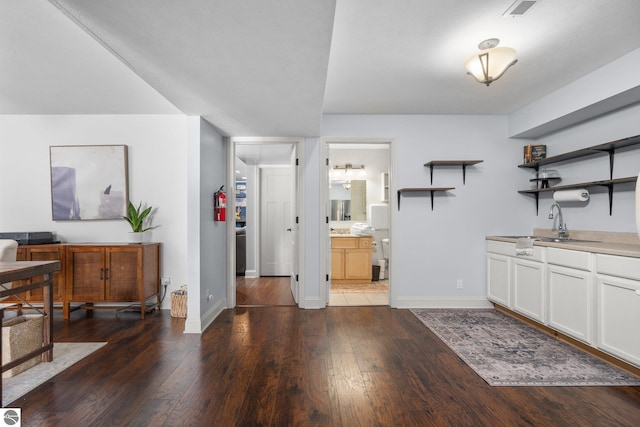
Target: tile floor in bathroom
360, 298
357, 298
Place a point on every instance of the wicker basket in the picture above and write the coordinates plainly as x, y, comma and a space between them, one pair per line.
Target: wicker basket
178, 304
20, 336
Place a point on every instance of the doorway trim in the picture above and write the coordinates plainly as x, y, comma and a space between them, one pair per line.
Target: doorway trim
325, 242
231, 207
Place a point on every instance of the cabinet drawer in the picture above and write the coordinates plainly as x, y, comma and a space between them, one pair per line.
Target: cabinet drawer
344, 242
501, 248
509, 249
572, 259
619, 266
364, 242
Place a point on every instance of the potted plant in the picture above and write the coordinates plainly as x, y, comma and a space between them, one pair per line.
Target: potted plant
136, 217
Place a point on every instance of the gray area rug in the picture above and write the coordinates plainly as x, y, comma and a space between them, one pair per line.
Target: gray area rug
507, 352
64, 356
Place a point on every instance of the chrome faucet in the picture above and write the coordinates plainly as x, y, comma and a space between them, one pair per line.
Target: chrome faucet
563, 232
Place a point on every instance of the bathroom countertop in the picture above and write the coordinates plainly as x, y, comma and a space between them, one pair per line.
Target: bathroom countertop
596, 242
347, 235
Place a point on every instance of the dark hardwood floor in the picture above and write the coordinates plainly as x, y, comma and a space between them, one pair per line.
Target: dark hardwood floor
263, 291
280, 366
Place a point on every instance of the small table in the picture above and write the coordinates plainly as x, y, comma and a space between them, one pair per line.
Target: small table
23, 270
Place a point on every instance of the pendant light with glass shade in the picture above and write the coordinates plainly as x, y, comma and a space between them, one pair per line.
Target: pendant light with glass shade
490, 64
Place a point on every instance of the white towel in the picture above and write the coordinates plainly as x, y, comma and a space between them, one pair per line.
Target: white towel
524, 247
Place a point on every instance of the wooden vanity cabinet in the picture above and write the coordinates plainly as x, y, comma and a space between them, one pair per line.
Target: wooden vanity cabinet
112, 273
351, 259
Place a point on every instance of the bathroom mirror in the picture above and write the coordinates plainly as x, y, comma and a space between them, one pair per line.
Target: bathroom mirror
348, 200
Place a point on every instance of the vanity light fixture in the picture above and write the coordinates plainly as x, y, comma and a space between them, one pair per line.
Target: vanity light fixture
349, 170
491, 63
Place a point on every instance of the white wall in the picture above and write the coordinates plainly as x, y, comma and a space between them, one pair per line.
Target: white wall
157, 176
433, 249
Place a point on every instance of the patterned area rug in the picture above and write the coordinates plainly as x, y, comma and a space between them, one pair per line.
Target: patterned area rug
507, 352
64, 356
360, 287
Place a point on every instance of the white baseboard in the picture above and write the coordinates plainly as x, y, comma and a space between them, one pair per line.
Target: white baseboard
443, 302
250, 274
197, 326
311, 303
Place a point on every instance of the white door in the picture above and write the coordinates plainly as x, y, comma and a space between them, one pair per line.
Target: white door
275, 220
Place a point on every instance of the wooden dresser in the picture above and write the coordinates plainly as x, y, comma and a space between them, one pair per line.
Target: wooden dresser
96, 274
351, 259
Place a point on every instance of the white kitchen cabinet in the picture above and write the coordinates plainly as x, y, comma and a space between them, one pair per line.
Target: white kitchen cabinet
570, 293
592, 297
499, 279
618, 284
528, 278
619, 317
570, 301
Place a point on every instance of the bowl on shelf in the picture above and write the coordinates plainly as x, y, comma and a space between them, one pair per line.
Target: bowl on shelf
545, 178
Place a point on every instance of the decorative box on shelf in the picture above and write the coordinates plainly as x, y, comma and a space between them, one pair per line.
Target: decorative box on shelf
533, 153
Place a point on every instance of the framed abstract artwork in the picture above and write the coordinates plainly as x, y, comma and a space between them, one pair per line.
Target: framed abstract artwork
89, 182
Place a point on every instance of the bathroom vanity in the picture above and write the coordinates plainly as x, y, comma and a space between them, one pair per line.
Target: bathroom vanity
351, 258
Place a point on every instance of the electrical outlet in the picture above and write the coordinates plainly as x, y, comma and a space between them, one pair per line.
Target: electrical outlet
165, 281
459, 284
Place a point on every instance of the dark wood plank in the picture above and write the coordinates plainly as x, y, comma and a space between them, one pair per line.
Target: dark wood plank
263, 291
281, 366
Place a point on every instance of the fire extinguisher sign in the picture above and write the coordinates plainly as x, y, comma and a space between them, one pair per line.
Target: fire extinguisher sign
220, 205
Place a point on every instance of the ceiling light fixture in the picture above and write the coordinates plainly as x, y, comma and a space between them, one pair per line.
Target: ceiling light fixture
490, 64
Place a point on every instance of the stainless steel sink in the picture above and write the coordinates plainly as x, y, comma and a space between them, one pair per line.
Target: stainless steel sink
548, 239
560, 240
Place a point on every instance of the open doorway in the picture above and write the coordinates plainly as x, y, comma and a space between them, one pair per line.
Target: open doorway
265, 233
359, 213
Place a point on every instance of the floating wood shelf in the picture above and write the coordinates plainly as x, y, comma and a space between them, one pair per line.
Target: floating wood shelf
608, 183
463, 163
430, 190
607, 147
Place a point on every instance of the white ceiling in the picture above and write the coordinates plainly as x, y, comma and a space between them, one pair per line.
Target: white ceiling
273, 67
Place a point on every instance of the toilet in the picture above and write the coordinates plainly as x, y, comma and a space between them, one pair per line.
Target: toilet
385, 254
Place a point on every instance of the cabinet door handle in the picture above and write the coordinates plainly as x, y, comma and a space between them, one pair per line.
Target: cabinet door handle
106, 274
102, 274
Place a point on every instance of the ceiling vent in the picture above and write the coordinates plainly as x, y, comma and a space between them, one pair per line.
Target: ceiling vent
520, 7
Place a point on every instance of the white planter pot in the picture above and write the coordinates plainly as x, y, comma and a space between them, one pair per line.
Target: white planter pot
135, 237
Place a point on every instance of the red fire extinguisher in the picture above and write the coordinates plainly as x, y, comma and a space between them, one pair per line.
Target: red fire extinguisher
220, 205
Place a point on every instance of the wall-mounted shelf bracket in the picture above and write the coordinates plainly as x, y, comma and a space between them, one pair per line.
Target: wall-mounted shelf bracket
430, 190
463, 163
